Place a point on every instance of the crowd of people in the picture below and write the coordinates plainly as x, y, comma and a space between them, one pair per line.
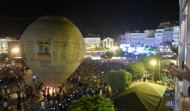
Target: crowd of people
93, 73
89, 78
169, 92
12, 74
12, 71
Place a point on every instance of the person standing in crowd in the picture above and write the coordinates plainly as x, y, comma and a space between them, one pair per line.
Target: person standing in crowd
22, 94
9, 108
18, 106
42, 105
5, 105
53, 96
18, 85
8, 92
3, 92
58, 97
44, 94
48, 98
18, 97
33, 77
48, 90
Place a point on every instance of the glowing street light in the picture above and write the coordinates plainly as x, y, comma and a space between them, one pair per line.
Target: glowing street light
15, 50
153, 62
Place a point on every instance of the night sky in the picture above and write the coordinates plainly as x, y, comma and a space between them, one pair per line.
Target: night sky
108, 17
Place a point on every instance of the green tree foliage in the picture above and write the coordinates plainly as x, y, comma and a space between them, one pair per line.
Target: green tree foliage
109, 54
119, 53
119, 79
147, 62
3, 56
137, 69
150, 68
95, 103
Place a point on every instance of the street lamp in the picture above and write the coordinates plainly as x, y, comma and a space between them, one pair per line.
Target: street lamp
153, 62
15, 50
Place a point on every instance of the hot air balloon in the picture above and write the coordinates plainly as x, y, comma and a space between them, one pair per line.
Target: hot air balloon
52, 47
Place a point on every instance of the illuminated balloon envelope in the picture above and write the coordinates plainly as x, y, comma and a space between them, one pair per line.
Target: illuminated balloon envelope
53, 48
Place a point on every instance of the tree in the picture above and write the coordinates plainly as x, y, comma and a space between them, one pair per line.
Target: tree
95, 103
150, 68
119, 79
147, 62
109, 54
119, 53
137, 69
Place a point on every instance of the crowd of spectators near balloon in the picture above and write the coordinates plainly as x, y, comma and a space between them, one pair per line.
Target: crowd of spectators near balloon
89, 78
10, 71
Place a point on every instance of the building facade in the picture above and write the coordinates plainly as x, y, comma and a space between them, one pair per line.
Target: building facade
138, 38
158, 36
150, 41
96, 47
175, 36
4, 44
108, 43
168, 34
92, 42
125, 39
14, 50
152, 37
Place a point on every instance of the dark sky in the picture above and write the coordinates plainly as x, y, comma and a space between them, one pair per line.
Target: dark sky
97, 16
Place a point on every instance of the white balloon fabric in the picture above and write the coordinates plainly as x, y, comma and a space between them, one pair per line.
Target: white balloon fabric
53, 48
